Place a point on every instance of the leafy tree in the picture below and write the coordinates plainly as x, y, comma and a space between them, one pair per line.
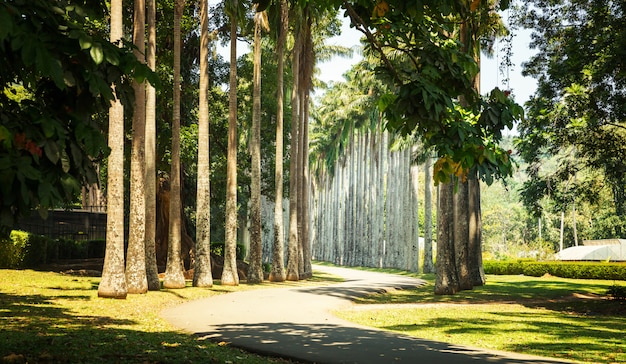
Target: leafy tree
57, 72
577, 115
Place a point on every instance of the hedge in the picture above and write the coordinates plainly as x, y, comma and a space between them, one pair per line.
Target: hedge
26, 250
578, 270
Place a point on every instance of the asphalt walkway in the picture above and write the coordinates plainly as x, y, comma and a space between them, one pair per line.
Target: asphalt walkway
296, 323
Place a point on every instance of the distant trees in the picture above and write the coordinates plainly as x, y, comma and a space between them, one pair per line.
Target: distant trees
574, 134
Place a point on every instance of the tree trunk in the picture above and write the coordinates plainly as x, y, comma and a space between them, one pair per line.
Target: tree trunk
136, 279
461, 235
292, 252
414, 217
113, 282
306, 194
152, 272
229, 274
277, 273
447, 281
174, 277
202, 276
477, 273
428, 266
255, 271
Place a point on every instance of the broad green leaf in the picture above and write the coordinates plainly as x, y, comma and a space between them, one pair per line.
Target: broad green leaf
52, 151
111, 57
5, 137
85, 42
96, 53
65, 161
7, 24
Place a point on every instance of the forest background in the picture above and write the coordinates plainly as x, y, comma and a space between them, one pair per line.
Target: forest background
569, 184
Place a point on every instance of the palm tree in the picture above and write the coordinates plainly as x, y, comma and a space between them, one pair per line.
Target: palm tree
230, 276
136, 279
292, 248
428, 266
255, 270
113, 282
174, 277
278, 265
202, 270
151, 264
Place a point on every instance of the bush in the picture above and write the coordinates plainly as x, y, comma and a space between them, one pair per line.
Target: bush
22, 250
26, 250
578, 270
218, 249
617, 292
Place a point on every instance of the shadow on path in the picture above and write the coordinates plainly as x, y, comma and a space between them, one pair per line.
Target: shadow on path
330, 343
296, 323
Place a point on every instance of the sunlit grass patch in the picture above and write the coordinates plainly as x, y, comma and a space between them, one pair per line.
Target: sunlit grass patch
58, 318
552, 317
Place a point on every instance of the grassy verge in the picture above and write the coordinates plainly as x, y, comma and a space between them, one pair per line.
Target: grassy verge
54, 318
553, 317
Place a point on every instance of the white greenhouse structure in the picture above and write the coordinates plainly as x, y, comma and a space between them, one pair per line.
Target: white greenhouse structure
596, 250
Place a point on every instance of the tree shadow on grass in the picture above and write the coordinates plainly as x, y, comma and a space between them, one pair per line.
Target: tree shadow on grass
315, 343
36, 329
574, 338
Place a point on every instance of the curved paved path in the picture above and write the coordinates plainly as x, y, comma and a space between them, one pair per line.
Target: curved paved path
296, 323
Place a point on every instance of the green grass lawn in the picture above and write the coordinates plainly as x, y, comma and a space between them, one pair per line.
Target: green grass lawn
54, 318
553, 317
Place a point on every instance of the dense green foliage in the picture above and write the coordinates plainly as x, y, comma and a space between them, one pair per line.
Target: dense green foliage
56, 75
26, 250
426, 53
577, 270
574, 135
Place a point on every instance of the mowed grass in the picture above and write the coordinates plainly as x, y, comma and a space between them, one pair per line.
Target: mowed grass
53, 318
552, 317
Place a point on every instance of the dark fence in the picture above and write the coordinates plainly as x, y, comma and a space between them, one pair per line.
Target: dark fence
66, 224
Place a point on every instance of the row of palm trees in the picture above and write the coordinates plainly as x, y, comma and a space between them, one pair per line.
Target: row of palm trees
139, 273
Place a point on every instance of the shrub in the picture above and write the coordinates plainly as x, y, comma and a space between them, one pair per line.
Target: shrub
22, 250
578, 270
26, 250
617, 292
218, 249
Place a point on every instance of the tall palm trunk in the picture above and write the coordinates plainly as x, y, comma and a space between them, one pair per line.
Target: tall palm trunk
174, 277
304, 186
447, 281
461, 235
230, 276
278, 261
202, 269
151, 264
113, 282
136, 279
292, 251
477, 272
428, 266
255, 270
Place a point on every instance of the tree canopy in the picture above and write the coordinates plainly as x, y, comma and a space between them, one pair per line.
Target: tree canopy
57, 73
578, 113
